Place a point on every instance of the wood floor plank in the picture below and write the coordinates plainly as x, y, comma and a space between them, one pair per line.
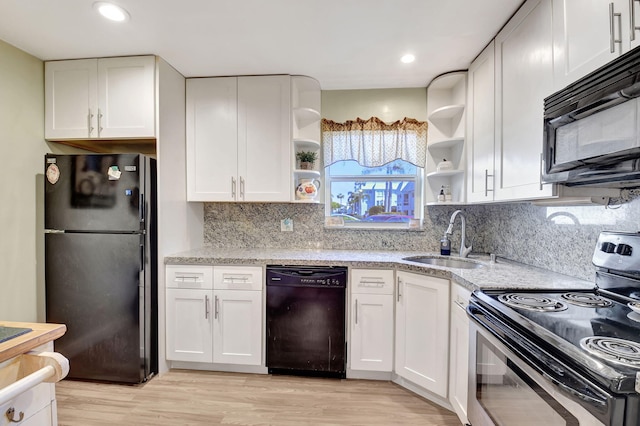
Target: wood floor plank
183, 397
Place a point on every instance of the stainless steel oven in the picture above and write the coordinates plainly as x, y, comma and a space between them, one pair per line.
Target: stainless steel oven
510, 386
551, 356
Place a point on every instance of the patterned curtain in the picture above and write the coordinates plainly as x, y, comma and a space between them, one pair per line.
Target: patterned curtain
373, 143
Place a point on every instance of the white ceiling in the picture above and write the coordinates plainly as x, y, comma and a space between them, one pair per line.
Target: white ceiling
345, 44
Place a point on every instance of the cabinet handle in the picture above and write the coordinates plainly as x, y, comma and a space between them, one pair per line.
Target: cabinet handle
206, 306
486, 182
632, 18
215, 312
541, 168
233, 187
356, 311
612, 37
11, 412
241, 188
398, 289
89, 121
99, 122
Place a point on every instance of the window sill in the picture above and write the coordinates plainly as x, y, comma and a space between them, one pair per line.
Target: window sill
376, 227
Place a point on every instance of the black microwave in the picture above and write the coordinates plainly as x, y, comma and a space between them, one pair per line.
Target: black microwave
592, 128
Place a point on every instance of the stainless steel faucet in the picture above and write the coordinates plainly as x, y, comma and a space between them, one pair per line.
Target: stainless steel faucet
464, 251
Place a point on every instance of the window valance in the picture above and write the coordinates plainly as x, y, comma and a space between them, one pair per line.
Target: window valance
373, 143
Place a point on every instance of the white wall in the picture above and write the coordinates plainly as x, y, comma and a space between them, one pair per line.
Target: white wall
387, 104
180, 224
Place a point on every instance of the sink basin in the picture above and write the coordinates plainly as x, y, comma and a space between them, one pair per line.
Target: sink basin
447, 263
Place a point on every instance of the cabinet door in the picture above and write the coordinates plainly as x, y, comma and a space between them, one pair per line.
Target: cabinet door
237, 332
459, 352
212, 134
372, 332
480, 126
524, 77
264, 138
582, 37
422, 331
126, 88
189, 325
71, 103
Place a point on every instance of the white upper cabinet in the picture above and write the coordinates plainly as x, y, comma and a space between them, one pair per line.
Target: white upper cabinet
589, 33
107, 98
524, 77
212, 134
480, 127
238, 139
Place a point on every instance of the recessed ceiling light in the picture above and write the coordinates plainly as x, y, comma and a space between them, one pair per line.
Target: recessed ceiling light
111, 11
408, 58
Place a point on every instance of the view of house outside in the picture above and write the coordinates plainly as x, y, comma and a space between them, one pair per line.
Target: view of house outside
373, 194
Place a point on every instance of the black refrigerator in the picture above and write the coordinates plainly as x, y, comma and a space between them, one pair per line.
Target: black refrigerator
101, 264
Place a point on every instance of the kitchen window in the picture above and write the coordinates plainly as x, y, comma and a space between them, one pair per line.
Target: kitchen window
374, 172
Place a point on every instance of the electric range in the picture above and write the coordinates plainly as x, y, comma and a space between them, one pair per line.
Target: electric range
578, 350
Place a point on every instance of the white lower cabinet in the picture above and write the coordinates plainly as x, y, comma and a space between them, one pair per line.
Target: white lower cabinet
459, 351
371, 335
214, 314
189, 325
237, 330
422, 331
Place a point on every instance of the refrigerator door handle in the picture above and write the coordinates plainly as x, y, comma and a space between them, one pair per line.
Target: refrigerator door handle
141, 210
142, 255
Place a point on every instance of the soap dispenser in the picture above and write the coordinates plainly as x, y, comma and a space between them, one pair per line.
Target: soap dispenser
445, 246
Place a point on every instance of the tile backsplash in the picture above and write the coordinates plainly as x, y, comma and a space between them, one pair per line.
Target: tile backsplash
560, 239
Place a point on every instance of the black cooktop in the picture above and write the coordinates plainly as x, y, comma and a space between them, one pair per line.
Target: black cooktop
561, 332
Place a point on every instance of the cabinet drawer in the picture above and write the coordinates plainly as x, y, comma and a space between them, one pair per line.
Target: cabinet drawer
459, 296
371, 281
29, 403
189, 276
237, 277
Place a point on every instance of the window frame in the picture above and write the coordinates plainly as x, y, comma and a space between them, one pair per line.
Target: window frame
417, 179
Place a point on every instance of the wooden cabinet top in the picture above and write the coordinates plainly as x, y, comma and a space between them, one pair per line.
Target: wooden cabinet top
41, 333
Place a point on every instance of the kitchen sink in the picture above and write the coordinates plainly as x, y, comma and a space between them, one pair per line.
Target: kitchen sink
447, 263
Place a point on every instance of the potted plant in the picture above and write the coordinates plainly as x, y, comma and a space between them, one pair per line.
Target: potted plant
307, 159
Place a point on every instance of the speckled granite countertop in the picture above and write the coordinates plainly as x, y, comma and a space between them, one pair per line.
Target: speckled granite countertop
503, 274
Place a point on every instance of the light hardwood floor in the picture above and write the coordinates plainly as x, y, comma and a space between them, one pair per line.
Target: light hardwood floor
182, 397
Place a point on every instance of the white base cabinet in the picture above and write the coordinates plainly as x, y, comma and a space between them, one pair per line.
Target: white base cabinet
214, 314
459, 351
422, 331
189, 325
106, 98
237, 331
371, 322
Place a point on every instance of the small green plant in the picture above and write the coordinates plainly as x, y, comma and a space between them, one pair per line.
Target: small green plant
307, 156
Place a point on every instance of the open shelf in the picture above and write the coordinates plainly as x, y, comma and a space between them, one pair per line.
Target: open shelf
445, 173
446, 112
306, 144
307, 174
305, 116
445, 143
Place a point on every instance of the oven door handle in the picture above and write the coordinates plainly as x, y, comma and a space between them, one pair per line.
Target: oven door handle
568, 389
476, 315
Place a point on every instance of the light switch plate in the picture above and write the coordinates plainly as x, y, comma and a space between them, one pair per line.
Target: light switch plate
286, 225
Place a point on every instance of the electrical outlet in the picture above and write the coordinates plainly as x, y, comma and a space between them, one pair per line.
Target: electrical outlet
286, 225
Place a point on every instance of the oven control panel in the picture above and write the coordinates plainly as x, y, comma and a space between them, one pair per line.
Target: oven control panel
619, 251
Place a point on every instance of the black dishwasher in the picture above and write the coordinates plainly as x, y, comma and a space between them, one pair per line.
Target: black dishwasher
306, 320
